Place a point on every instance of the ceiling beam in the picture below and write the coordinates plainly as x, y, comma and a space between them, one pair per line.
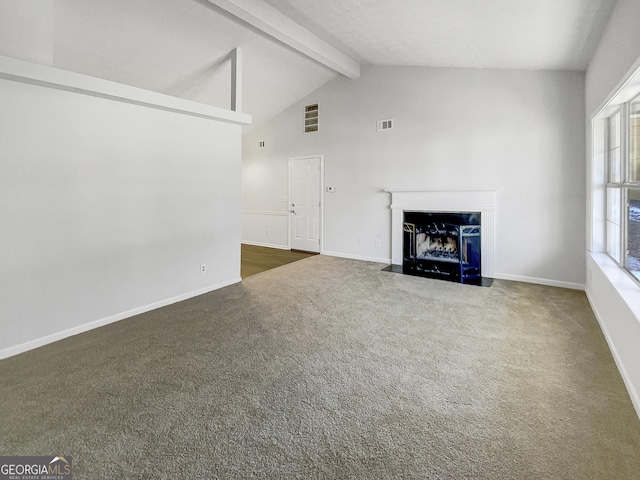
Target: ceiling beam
270, 21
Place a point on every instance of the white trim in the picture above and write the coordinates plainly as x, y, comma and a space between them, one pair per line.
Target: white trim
264, 212
54, 337
289, 205
49, 77
596, 182
321, 197
270, 245
540, 281
270, 21
352, 256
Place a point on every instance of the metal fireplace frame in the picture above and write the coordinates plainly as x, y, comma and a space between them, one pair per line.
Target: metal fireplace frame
458, 260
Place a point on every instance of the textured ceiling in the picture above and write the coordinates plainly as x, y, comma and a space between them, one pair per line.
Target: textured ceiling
522, 34
181, 47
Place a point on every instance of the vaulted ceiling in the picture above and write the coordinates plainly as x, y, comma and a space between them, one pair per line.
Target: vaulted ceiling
181, 47
521, 34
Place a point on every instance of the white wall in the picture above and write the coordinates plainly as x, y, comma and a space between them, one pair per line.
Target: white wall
520, 131
616, 53
108, 209
613, 295
26, 30
270, 227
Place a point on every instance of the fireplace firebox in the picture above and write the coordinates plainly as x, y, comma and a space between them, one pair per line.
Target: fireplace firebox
442, 245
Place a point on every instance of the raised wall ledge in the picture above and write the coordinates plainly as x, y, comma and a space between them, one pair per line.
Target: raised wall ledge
50, 77
619, 318
625, 286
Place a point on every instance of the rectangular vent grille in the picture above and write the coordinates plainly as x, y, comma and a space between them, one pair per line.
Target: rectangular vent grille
384, 125
311, 118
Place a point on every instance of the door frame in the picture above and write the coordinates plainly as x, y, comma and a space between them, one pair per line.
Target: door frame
321, 197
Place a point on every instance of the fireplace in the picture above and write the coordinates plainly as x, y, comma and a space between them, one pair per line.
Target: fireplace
461, 233
442, 245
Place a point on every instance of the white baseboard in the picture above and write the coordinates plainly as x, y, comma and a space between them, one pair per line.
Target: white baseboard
540, 281
39, 342
270, 245
356, 257
633, 393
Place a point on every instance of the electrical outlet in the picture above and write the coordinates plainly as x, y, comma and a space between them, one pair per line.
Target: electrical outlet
358, 239
203, 268
266, 233
331, 189
378, 242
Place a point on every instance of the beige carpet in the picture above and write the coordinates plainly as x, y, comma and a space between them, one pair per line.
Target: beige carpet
330, 368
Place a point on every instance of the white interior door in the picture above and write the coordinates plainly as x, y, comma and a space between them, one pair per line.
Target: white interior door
305, 203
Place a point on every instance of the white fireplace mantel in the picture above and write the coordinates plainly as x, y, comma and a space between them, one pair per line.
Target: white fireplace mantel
481, 200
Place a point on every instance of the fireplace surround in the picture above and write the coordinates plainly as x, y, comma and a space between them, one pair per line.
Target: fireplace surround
479, 206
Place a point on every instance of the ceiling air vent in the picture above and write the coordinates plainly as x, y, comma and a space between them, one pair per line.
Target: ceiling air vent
384, 125
311, 118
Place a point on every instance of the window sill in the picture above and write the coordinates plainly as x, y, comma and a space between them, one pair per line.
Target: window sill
626, 287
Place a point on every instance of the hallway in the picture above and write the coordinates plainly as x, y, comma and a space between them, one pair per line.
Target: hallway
260, 259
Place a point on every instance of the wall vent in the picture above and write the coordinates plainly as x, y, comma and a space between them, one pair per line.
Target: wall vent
311, 118
384, 124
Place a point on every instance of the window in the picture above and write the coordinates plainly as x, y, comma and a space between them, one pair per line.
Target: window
623, 186
632, 259
614, 147
614, 187
633, 232
634, 142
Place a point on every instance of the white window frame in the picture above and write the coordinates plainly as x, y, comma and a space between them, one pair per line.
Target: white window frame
619, 259
624, 185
